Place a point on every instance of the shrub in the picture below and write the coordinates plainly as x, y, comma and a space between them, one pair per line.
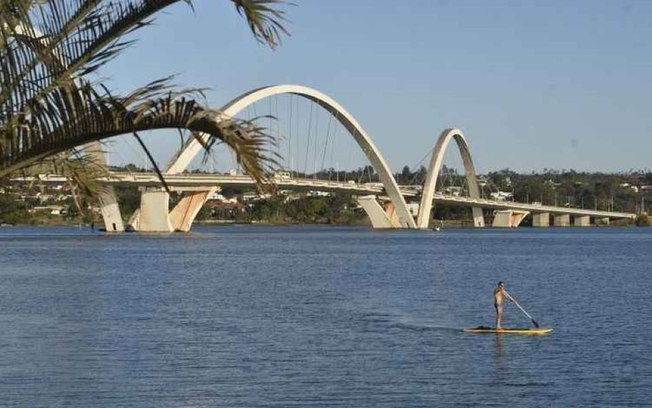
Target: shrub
643, 220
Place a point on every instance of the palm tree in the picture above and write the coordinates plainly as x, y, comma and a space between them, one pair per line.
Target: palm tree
49, 107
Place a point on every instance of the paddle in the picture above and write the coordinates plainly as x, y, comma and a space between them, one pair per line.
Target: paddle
534, 322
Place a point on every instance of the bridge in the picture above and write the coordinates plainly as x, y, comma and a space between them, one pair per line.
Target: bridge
187, 182
509, 214
384, 203
198, 182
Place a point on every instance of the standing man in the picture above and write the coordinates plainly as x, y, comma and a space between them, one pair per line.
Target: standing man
499, 297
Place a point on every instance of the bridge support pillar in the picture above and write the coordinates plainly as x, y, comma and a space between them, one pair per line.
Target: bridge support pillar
390, 210
153, 214
602, 221
134, 222
562, 220
111, 211
184, 213
509, 218
108, 201
582, 221
478, 217
379, 218
541, 219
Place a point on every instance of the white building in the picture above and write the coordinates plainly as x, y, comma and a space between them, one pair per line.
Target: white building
501, 195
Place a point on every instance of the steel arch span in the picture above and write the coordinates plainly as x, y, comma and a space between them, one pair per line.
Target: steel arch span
428, 193
193, 147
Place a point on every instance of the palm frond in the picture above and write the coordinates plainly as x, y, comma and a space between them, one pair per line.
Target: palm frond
66, 39
47, 106
59, 41
82, 169
265, 19
70, 117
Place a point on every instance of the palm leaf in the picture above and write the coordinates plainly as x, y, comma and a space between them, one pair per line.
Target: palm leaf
72, 117
61, 40
47, 47
264, 19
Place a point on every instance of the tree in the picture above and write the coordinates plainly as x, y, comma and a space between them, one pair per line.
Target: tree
642, 220
49, 107
405, 176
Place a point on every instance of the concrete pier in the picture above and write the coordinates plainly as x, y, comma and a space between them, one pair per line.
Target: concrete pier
111, 211
541, 220
184, 213
562, 220
582, 221
154, 215
376, 213
508, 218
602, 221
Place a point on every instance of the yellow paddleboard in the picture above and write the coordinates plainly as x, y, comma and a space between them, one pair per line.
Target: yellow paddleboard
506, 330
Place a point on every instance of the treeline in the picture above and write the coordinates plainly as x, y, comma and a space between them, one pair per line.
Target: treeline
625, 192
333, 209
16, 211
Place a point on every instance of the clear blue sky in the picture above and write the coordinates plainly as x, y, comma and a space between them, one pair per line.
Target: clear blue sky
533, 84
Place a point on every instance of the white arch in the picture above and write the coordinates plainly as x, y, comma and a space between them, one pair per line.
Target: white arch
430, 184
193, 147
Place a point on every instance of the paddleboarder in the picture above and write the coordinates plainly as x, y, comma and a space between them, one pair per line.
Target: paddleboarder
499, 297
500, 294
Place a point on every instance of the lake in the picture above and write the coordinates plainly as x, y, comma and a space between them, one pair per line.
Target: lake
254, 316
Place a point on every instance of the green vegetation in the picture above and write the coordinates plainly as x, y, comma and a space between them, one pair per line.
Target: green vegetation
643, 220
13, 211
624, 192
616, 192
335, 209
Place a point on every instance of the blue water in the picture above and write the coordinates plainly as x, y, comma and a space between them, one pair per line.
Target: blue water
317, 316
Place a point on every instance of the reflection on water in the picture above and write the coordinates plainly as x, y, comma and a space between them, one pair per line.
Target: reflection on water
255, 316
499, 355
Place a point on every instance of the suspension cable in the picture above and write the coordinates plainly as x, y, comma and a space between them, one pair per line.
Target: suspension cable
289, 138
314, 157
305, 163
328, 131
